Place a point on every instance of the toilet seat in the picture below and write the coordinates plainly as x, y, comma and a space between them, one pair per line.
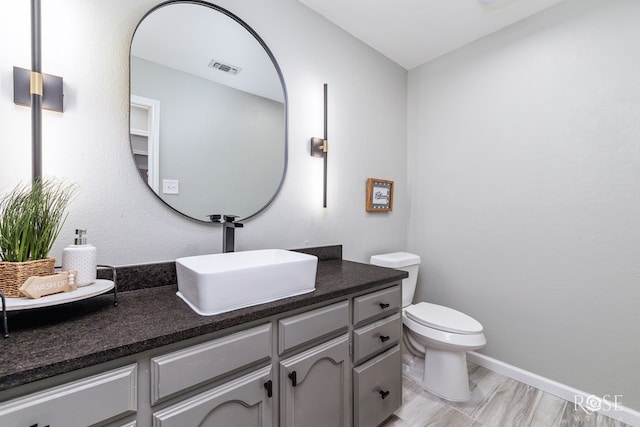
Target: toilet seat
434, 338
443, 318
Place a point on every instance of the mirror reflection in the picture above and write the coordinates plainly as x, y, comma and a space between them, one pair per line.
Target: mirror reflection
208, 111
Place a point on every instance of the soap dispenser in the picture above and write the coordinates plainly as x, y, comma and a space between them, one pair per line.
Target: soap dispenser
82, 258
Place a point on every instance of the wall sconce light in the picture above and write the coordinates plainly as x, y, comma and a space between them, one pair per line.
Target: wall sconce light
320, 148
37, 90
24, 81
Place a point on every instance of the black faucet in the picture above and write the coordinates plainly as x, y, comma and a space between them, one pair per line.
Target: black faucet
228, 230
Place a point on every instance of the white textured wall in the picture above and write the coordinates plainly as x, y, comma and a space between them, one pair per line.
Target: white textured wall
525, 191
87, 43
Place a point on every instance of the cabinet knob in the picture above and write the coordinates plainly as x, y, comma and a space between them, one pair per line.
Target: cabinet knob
384, 338
384, 394
269, 387
293, 376
384, 305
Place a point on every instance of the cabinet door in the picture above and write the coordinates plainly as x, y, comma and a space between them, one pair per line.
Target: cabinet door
243, 402
315, 386
377, 388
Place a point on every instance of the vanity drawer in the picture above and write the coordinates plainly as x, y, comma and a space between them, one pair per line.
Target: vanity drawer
373, 338
239, 402
377, 303
91, 400
297, 330
377, 388
173, 372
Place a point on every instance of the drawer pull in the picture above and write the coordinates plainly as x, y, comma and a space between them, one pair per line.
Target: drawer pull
269, 387
384, 394
293, 376
384, 305
384, 338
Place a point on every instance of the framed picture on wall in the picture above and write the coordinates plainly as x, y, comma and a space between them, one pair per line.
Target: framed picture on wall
379, 195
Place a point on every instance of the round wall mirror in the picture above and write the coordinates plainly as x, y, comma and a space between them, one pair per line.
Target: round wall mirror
208, 116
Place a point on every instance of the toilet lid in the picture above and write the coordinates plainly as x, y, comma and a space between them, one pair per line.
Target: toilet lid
443, 318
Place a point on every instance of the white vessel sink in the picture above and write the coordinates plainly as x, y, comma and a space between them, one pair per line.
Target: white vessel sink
216, 283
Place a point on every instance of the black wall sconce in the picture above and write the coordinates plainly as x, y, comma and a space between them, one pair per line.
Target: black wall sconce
320, 148
37, 90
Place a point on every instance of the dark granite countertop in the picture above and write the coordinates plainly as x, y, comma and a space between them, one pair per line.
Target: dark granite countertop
51, 341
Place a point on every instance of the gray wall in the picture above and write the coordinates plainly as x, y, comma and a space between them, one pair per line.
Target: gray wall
226, 147
525, 175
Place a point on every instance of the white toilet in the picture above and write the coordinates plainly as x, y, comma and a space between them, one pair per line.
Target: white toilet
439, 337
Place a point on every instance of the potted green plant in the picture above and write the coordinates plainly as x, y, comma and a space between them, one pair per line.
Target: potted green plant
31, 216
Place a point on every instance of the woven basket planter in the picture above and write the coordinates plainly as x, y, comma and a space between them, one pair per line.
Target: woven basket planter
14, 274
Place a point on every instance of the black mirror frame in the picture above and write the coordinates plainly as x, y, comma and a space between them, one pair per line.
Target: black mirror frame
280, 76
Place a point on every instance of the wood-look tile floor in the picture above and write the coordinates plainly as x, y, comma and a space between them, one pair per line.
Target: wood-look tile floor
495, 401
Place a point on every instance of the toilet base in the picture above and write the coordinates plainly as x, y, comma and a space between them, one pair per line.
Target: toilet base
446, 374
445, 371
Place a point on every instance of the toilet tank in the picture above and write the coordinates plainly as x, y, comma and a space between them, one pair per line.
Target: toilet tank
401, 261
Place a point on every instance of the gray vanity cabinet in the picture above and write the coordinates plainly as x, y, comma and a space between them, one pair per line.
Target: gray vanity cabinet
314, 383
377, 375
333, 364
244, 402
315, 386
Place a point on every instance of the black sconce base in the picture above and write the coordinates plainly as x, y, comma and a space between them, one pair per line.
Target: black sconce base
52, 94
318, 147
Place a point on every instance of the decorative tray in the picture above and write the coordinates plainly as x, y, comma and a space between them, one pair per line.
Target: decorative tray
100, 286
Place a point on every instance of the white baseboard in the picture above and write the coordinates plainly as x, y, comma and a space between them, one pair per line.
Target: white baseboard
607, 407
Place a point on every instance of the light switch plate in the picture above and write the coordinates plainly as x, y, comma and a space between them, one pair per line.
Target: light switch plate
170, 186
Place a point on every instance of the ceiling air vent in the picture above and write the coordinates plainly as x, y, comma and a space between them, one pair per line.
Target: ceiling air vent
227, 68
